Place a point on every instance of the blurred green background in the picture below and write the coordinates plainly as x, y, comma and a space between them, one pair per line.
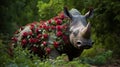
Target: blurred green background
105, 23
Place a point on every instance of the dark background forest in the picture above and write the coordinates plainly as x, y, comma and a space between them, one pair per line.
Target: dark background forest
105, 24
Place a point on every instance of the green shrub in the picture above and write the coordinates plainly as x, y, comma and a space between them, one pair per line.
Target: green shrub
96, 49
4, 57
23, 57
49, 9
100, 59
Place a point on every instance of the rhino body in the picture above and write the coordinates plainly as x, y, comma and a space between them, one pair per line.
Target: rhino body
77, 36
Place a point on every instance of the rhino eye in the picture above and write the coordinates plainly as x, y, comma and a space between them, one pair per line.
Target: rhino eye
78, 42
76, 32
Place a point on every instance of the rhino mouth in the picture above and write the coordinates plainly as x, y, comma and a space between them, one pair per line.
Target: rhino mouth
84, 46
87, 47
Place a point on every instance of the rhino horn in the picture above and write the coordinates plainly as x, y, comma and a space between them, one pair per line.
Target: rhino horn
87, 31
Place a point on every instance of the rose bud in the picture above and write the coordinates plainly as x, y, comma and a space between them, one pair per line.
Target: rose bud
56, 44
62, 16
59, 33
44, 26
35, 40
58, 21
59, 28
39, 36
30, 33
65, 37
40, 26
31, 40
48, 50
47, 28
24, 42
31, 26
44, 43
45, 35
14, 39
52, 27
55, 18
37, 30
24, 34
49, 21
34, 49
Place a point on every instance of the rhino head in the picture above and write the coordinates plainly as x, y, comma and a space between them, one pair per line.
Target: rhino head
80, 29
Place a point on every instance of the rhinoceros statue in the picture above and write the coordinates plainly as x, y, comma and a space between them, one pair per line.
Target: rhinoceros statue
67, 33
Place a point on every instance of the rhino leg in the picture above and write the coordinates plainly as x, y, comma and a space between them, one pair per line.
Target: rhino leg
54, 54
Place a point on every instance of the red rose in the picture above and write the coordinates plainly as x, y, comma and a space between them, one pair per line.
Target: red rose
64, 26
24, 42
35, 49
49, 21
58, 21
30, 33
14, 39
59, 28
24, 34
33, 40
56, 18
62, 16
39, 36
56, 44
59, 33
48, 50
40, 26
31, 26
45, 35
65, 38
44, 26
53, 27
37, 30
47, 27
44, 43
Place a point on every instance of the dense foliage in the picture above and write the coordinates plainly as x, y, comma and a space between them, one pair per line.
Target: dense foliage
23, 57
105, 27
15, 13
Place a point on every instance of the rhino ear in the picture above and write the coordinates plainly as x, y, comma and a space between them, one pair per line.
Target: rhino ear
89, 13
66, 12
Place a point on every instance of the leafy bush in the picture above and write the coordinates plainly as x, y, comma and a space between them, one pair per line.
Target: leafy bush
15, 13
49, 9
99, 59
22, 58
96, 49
4, 55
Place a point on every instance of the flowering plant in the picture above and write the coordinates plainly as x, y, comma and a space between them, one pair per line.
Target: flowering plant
44, 36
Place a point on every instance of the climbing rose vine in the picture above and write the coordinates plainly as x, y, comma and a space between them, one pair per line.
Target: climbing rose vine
44, 35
